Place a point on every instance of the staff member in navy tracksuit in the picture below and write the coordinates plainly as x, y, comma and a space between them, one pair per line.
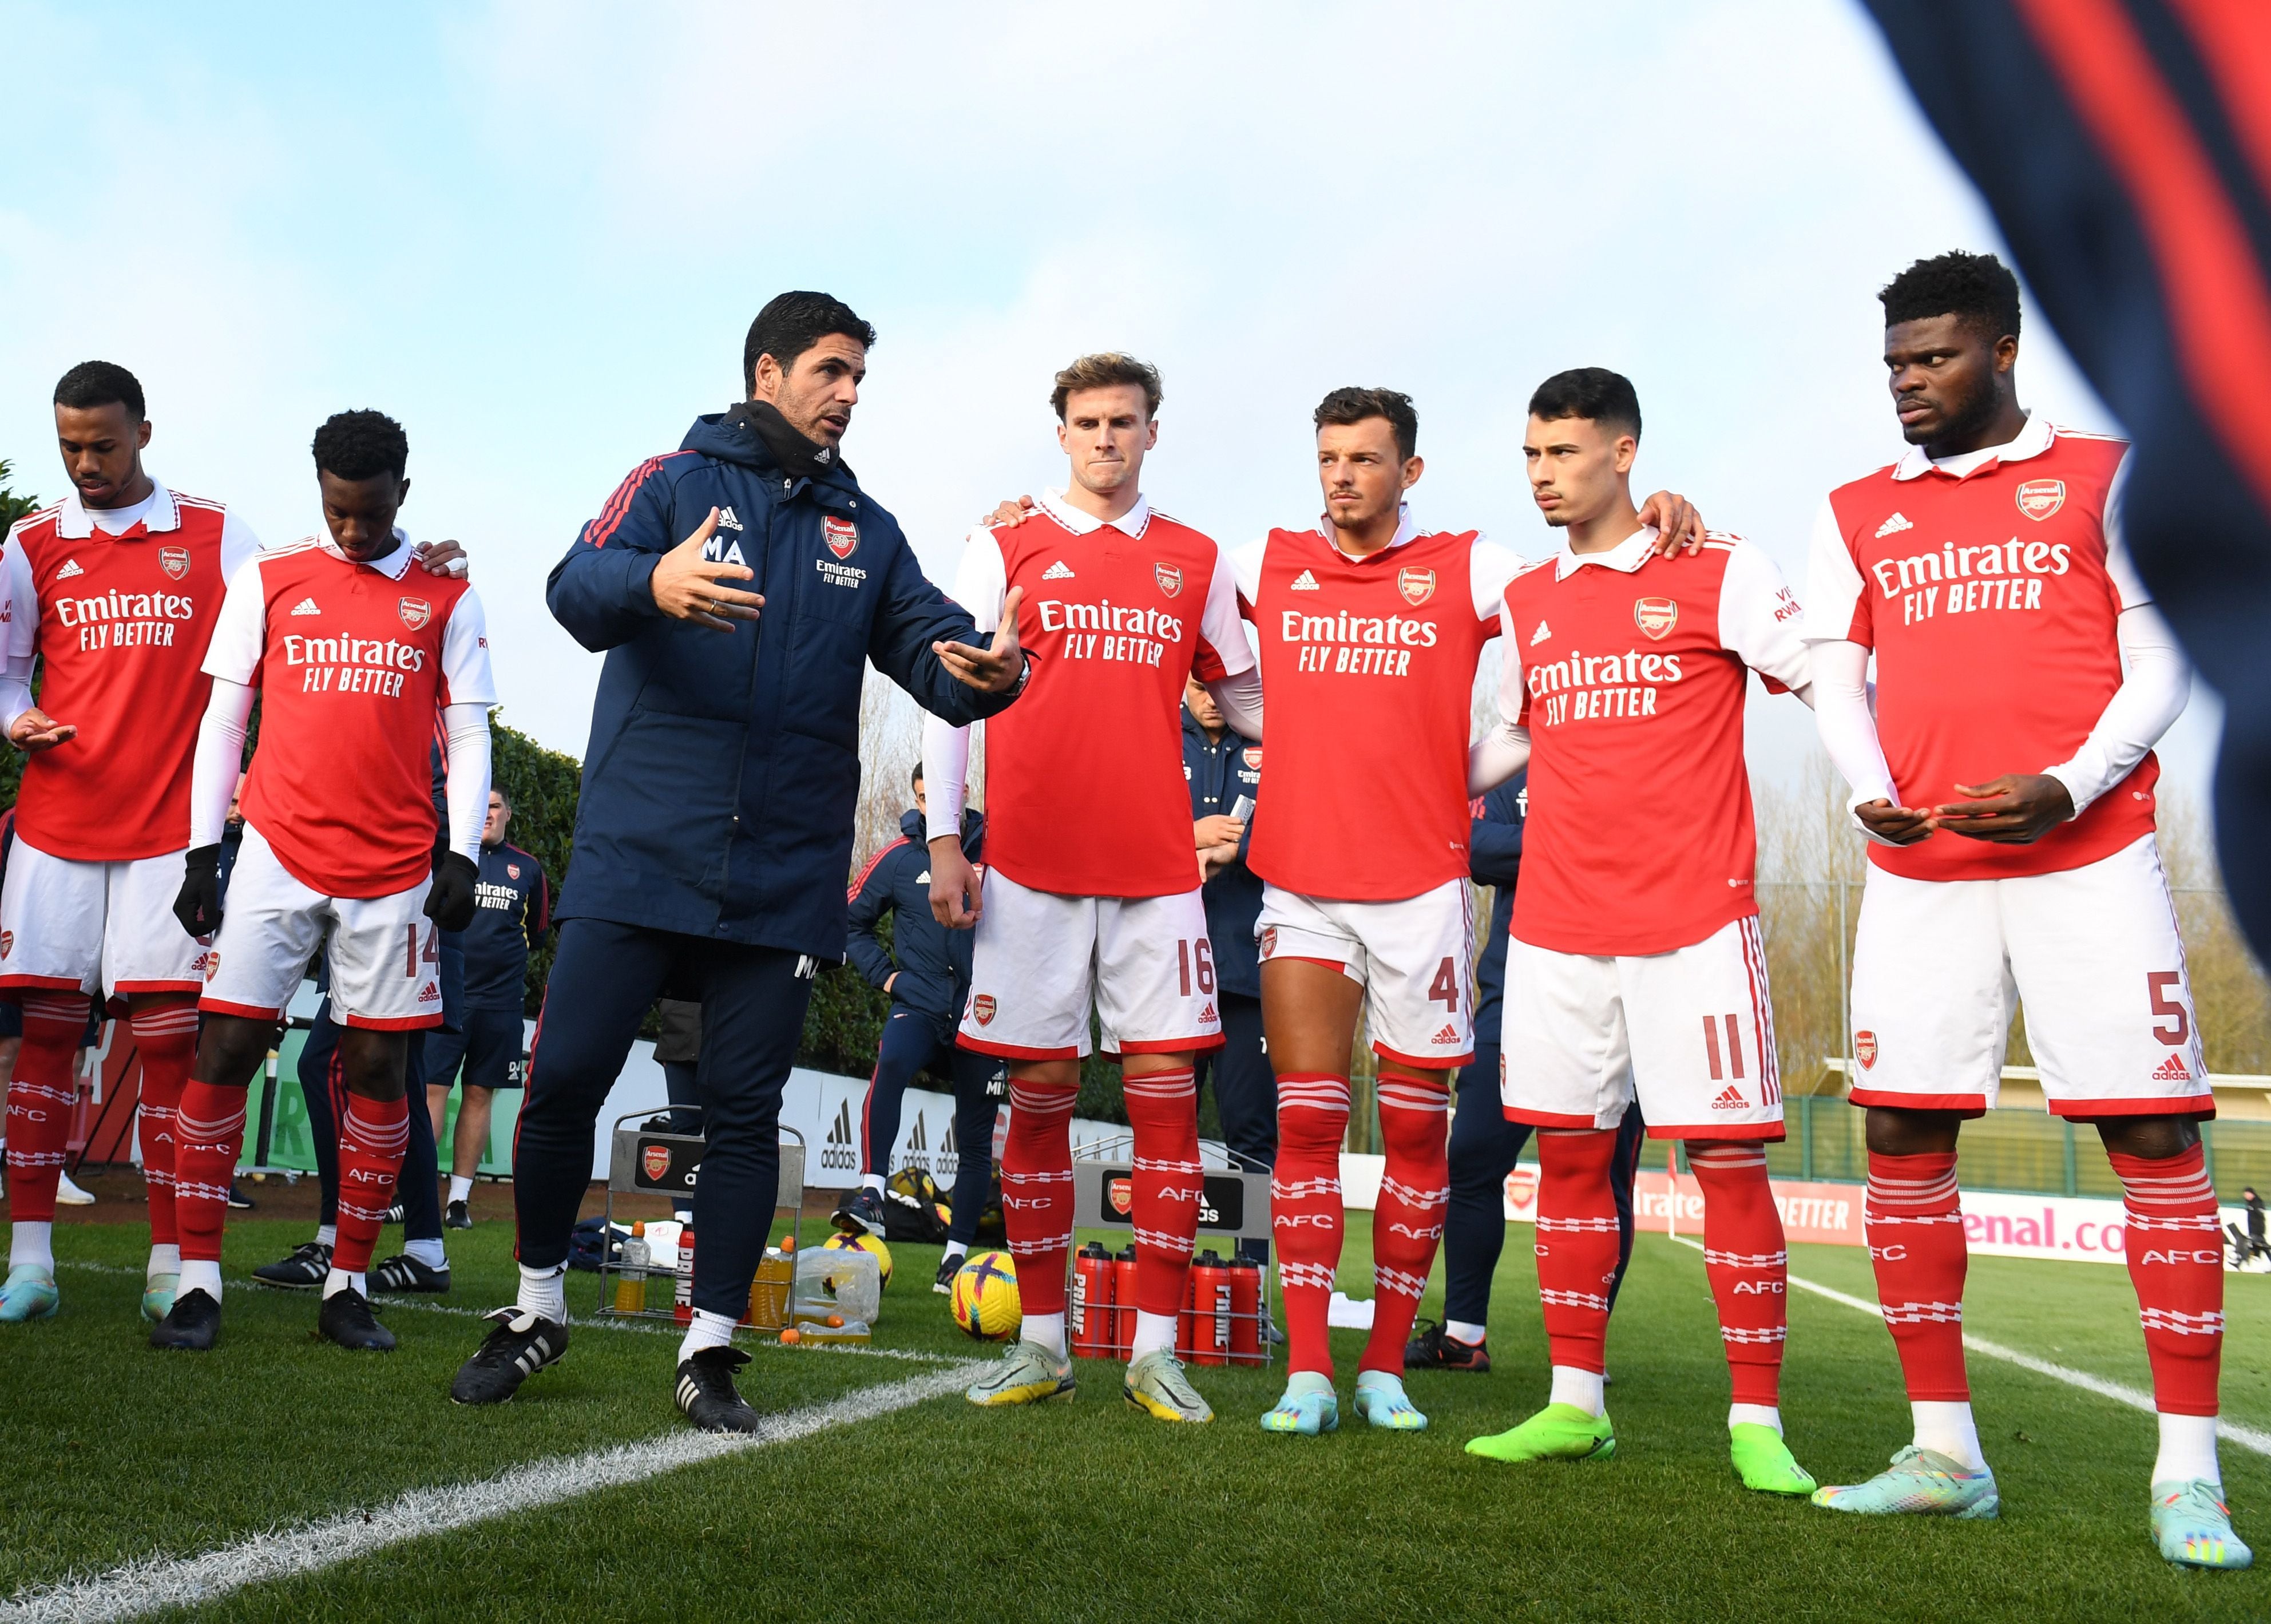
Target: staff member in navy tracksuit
513, 911
929, 985
714, 830
1224, 770
1484, 1146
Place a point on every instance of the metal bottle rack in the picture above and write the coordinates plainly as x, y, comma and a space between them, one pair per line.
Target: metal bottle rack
642, 1163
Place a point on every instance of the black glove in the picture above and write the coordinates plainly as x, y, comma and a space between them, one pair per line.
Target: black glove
449, 902
198, 904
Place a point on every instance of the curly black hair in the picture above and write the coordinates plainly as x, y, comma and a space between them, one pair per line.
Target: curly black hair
100, 383
361, 445
1978, 288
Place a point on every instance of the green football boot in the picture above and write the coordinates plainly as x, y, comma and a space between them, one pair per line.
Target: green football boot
1308, 1406
2192, 1526
1920, 1483
28, 1295
1763, 1460
1557, 1433
158, 1296
1028, 1374
1380, 1399
1156, 1383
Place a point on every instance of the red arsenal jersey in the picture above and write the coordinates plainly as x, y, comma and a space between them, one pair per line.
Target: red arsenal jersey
351, 660
1990, 598
120, 622
1368, 676
1084, 793
1629, 670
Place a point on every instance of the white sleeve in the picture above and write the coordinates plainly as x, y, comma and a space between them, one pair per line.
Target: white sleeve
237, 544
980, 583
1504, 748
240, 634
219, 759
2155, 687
1849, 727
1245, 569
2129, 587
1239, 700
23, 601
1221, 631
467, 787
466, 676
1489, 568
1760, 620
1833, 582
945, 770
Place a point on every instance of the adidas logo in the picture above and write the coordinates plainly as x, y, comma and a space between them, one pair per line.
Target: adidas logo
429, 994
1893, 525
1449, 1034
839, 1132
1540, 635
306, 605
1731, 1098
726, 519
2172, 1070
1305, 583
71, 568
1056, 572
917, 1141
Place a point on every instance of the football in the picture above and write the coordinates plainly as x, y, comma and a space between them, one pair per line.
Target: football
873, 1244
985, 1303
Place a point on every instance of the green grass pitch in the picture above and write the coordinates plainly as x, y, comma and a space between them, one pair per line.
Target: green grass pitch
1091, 1509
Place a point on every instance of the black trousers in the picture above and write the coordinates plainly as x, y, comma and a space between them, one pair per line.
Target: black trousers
1484, 1147
604, 977
1245, 1093
326, 1094
914, 1041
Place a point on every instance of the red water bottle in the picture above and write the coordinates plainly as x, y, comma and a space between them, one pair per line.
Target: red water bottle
682, 1309
1210, 1297
1093, 1319
1187, 1323
1123, 1294
1245, 1316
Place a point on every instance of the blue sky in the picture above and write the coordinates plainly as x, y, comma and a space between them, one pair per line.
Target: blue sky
536, 234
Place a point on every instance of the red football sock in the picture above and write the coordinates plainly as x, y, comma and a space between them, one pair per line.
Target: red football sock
1748, 1265
1407, 1227
1163, 1108
209, 1134
1577, 1243
372, 1136
39, 1098
1037, 1190
2176, 1261
165, 1036
1915, 1230
1305, 1210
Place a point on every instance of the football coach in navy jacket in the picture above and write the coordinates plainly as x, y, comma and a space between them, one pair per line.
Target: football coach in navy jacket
738, 587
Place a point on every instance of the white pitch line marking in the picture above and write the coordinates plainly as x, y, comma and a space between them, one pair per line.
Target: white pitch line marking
159, 1582
2245, 1437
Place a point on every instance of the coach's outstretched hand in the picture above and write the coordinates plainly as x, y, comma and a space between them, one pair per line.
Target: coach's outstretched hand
688, 586
996, 668
449, 899
198, 905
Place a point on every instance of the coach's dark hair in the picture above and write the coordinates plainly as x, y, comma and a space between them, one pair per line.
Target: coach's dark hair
361, 445
1356, 405
1103, 370
791, 324
1978, 288
98, 383
1592, 392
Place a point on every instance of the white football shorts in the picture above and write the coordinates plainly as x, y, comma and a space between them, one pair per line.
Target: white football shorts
2092, 952
1042, 960
1415, 959
1688, 1033
385, 954
89, 926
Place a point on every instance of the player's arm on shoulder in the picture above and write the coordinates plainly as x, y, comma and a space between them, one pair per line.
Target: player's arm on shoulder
936, 647
1504, 748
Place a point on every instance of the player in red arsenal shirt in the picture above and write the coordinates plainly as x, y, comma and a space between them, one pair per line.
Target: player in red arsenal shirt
112, 592
1636, 972
1090, 898
2004, 781
1369, 626
352, 654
